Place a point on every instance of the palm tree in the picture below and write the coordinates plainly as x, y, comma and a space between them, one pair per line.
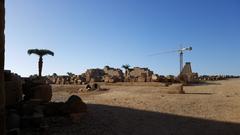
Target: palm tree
40, 53
70, 74
126, 67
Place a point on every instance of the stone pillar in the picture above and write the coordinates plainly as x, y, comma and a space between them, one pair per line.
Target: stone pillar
2, 44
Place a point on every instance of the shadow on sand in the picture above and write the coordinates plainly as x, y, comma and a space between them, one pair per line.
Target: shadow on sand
199, 93
204, 83
111, 120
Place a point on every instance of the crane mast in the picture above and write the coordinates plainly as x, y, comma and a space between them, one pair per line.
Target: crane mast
181, 61
181, 51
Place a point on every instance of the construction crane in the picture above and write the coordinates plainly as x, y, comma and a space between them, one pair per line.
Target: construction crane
180, 51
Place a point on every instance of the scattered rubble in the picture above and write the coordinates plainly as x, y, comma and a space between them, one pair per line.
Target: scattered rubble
90, 87
216, 77
32, 110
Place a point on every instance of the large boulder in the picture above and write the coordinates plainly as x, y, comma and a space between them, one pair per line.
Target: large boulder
176, 89
74, 105
75, 108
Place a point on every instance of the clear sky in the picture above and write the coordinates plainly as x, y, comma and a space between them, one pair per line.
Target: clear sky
94, 33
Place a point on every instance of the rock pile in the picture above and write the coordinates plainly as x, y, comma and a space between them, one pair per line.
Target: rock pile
75, 79
91, 87
31, 111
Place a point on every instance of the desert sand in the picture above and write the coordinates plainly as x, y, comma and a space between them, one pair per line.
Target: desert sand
212, 108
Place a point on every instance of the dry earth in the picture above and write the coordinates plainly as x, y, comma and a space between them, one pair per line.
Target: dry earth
212, 108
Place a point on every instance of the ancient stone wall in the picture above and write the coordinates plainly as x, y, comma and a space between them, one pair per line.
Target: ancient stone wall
94, 75
2, 45
138, 74
113, 75
13, 88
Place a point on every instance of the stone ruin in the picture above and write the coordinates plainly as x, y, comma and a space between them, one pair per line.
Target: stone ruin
187, 76
28, 103
75, 79
107, 74
113, 75
138, 74
216, 77
94, 75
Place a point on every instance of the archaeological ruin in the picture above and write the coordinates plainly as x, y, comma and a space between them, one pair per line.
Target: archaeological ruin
136, 74
186, 75
108, 75
26, 102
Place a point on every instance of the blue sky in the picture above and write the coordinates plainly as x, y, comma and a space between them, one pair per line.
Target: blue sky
94, 33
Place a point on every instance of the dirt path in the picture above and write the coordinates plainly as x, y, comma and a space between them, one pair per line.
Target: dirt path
211, 109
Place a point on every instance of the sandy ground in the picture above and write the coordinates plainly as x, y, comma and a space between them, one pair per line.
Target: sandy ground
208, 109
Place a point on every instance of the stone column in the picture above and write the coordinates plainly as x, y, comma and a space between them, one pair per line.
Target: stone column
2, 44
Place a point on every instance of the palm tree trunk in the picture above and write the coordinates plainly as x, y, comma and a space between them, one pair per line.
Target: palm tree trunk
2, 91
40, 65
126, 72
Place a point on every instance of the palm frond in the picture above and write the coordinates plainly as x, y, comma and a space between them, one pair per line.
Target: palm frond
40, 52
126, 66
